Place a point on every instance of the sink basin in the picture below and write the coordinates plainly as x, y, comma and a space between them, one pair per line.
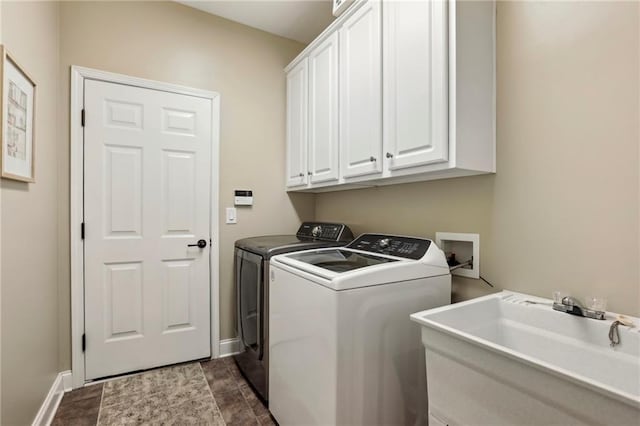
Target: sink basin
509, 358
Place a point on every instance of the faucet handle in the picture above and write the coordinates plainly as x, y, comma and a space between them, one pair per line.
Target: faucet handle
596, 303
558, 297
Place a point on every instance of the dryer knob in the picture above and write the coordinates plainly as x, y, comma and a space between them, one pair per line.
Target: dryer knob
384, 243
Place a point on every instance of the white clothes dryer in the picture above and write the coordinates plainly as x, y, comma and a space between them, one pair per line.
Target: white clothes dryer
343, 350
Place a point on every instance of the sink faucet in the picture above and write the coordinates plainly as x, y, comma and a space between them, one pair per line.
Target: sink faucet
572, 306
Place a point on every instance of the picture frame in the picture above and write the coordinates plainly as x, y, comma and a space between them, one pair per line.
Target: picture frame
17, 109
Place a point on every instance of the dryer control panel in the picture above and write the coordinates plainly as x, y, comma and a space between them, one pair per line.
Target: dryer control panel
393, 245
325, 231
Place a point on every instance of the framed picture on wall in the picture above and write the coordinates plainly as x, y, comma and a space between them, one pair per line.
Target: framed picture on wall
18, 92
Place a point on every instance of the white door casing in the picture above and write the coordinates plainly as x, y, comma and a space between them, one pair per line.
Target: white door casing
360, 92
147, 195
415, 83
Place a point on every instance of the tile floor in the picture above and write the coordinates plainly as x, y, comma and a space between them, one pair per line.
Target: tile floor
236, 401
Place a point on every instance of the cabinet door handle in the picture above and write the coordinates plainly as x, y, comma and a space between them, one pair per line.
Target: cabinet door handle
372, 159
301, 175
309, 173
389, 155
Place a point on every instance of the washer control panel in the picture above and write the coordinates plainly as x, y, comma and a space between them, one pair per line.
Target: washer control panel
325, 231
407, 247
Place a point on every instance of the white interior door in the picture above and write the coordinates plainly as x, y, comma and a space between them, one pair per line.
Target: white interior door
147, 177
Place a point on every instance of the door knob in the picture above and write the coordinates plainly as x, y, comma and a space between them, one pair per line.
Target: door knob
201, 244
301, 174
389, 155
372, 159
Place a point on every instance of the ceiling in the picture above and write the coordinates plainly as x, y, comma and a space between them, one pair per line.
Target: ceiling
300, 20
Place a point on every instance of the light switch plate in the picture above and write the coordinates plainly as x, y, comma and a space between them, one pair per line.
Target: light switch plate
232, 215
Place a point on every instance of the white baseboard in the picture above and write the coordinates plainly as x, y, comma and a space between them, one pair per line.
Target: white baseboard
229, 347
60, 385
67, 380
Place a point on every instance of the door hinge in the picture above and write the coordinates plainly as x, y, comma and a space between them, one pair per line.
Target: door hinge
82, 117
82, 230
84, 342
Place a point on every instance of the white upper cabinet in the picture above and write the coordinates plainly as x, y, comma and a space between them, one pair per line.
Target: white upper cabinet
360, 92
415, 89
397, 91
297, 125
323, 111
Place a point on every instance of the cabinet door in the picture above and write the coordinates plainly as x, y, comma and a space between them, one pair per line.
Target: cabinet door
360, 92
415, 83
297, 125
323, 111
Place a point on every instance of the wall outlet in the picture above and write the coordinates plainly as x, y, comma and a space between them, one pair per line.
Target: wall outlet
465, 247
232, 216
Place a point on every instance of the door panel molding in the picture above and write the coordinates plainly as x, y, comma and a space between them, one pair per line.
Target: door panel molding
127, 115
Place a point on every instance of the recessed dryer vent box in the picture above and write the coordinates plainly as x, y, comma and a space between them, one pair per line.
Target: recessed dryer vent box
465, 246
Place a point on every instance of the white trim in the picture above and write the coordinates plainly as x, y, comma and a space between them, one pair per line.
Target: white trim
214, 260
77, 214
229, 347
67, 380
50, 404
78, 76
144, 83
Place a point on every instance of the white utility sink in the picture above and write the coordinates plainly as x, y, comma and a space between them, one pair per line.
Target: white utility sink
509, 358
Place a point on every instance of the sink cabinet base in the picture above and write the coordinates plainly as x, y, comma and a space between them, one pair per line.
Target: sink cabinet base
469, 384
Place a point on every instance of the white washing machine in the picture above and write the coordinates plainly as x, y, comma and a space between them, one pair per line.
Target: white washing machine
343, 350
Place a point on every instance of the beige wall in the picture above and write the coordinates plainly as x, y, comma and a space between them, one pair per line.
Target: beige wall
173, 43
562, 211
29, 226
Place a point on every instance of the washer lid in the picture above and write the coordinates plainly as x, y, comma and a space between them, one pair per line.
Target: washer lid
337, 260
344, 268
